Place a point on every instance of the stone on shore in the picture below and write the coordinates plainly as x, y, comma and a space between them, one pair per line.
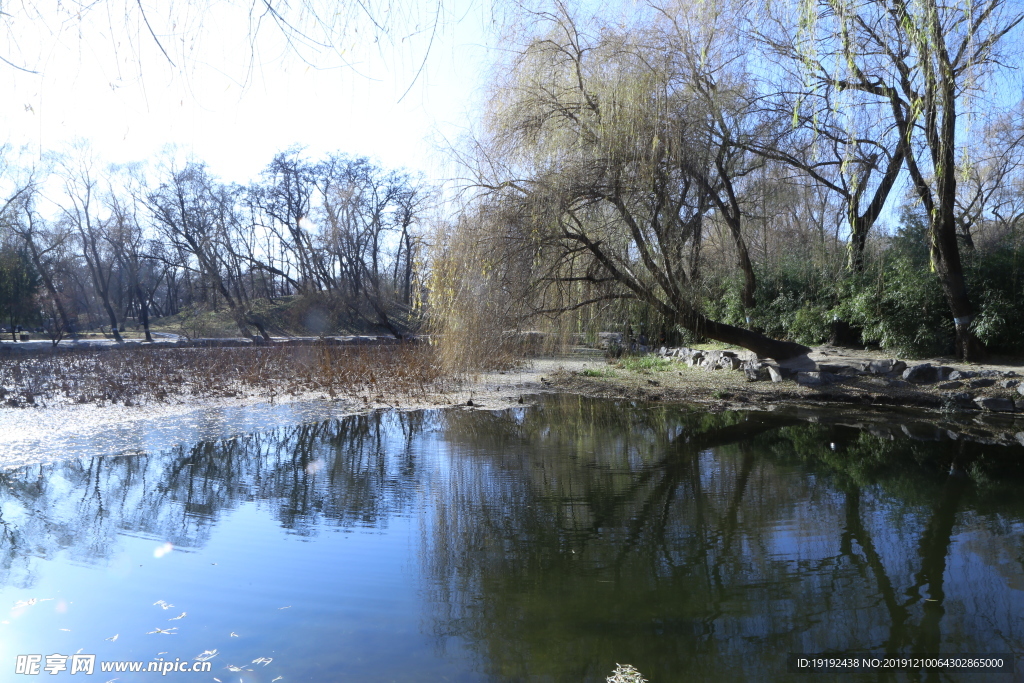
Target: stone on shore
995, 404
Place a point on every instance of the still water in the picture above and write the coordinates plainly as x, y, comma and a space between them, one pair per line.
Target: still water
542, 543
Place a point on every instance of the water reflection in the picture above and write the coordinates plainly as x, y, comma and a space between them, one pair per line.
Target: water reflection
549, 543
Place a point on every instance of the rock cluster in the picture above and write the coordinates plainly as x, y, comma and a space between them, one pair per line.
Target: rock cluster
956, 384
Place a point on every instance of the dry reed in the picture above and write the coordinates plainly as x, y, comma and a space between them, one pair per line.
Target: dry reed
138, 376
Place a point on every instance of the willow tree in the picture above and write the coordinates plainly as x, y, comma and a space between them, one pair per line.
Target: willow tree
843, 145
928, 63
611, 154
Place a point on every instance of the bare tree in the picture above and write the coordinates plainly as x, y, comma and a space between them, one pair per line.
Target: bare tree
925, 61
195, 214
80, 214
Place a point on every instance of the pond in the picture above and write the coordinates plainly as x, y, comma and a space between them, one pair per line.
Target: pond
539, 543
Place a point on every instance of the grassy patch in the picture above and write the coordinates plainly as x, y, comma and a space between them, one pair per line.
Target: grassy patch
594, 372
645, 363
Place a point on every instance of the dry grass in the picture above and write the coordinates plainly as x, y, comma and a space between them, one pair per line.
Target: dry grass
140, 376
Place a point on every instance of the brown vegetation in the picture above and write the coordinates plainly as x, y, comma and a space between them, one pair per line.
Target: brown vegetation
137, 376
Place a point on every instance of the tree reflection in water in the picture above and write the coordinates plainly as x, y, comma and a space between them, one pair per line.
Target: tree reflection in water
560, 539
593, 532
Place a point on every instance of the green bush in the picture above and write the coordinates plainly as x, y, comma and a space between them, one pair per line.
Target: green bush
996, 281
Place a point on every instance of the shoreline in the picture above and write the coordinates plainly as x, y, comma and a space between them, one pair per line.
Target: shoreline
44, 433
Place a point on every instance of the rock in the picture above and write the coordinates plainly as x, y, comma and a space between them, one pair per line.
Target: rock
981, 383
898, 366
950, 385
696, 359
880, 367
962, 374
755, 370
774, 373
1009, 383
995, 404
942, 372
815, 379
925, 373
1020, 438
789, 368
1010, 373
922, 431
711, 357
848, 370
958, 400
729, 363
1020, 389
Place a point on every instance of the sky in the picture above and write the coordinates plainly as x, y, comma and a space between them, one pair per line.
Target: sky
395, 95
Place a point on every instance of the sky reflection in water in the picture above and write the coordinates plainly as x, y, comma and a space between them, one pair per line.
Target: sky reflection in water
542, 543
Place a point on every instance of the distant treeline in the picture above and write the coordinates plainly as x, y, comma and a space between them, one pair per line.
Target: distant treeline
125, 244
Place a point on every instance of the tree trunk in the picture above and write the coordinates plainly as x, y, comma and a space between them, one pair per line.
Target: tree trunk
764, 347
951, 276
143, 311
113, 318
858, 239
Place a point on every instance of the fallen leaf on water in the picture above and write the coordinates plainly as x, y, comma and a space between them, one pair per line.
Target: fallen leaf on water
180, 616
233, 635
277, 679
163, 604
216, 679
208, 654
263, 660
113, 638
169, 631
